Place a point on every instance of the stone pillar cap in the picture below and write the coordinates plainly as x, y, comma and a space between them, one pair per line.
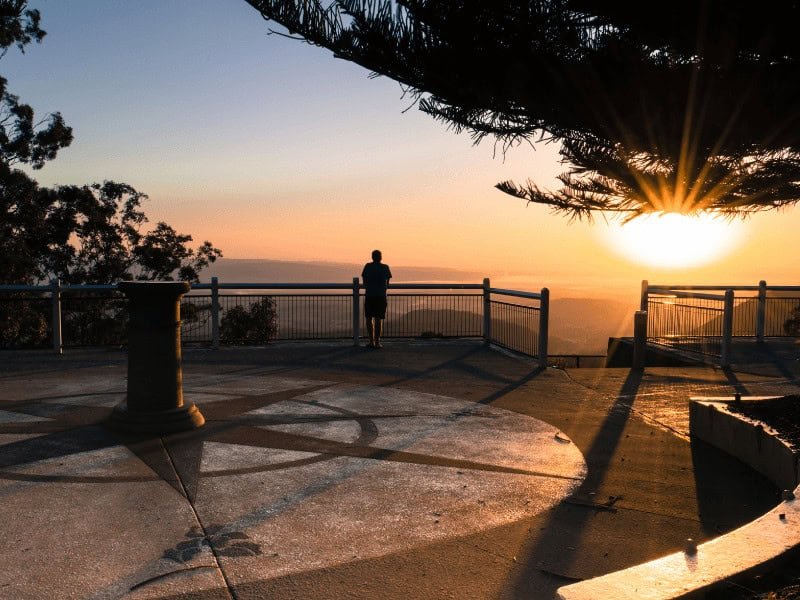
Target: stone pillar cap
154, 288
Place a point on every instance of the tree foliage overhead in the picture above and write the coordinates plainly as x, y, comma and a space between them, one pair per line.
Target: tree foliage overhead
696, 108
79, 233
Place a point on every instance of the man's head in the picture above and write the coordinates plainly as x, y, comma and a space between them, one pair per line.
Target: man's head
376, 255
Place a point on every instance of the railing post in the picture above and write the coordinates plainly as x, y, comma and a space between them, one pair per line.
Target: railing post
544, 322
356, 312
487, 312
215, 313
727, 329
639, 340
56, 320
761, 312
643, 298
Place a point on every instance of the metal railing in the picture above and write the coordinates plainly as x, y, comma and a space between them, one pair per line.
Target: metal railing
688, 321
704, 319
256, 313
520, 324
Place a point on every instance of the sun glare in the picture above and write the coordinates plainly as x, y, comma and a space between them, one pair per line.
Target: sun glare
673, 241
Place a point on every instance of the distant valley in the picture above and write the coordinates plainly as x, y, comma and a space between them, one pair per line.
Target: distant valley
578, 325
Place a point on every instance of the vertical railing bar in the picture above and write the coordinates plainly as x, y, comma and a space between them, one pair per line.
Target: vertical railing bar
487, 312
761, 312
215, 313
544, 319
727, 326
56, 316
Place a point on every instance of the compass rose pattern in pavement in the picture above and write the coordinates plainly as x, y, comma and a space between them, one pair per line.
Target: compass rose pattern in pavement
288, 475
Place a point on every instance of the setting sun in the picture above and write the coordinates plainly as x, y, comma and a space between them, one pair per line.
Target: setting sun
670, 240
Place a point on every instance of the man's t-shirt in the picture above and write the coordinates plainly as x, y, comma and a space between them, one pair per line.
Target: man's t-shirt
376, 278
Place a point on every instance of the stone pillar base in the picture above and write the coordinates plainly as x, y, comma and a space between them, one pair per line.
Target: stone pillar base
183, 418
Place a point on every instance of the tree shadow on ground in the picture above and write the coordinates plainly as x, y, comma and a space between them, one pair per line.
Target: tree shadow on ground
564, 525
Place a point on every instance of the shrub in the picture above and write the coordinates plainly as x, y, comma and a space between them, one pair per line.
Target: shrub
257, 324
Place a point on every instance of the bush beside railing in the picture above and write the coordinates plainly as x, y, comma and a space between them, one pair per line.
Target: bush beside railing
256, 313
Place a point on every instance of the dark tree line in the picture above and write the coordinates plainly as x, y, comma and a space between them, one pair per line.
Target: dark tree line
694, 108
95, 233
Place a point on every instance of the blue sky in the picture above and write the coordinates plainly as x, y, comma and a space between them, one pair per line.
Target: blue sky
272, 148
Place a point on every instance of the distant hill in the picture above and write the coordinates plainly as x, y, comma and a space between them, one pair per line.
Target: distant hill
778, 309
239, 270
577, 325
583, 325
448, 323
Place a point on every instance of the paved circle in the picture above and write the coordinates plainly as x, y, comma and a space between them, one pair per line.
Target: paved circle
308, 473
402, 469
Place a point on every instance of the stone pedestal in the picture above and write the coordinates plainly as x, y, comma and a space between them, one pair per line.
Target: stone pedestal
155, 380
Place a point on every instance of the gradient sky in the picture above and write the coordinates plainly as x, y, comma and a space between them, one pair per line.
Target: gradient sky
271, 148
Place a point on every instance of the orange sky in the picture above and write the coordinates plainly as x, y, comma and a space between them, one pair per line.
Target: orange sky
273, 149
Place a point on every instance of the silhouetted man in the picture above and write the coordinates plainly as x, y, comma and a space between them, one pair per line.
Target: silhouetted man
376, 276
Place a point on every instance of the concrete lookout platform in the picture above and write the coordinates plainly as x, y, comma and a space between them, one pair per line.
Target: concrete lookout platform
424, 470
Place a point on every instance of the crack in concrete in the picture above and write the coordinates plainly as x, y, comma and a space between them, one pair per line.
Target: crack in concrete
228, 585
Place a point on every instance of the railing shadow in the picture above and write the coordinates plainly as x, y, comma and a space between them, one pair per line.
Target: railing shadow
736, 383
779, 362
460, 364
564, 525
389, 367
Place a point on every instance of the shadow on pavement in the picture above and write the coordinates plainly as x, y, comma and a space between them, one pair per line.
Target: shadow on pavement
729, 492
736, 384
564, 525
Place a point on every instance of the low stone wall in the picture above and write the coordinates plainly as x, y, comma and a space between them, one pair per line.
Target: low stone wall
750, 441
756, 544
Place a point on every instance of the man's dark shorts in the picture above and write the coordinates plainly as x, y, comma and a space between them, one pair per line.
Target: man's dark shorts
375, 307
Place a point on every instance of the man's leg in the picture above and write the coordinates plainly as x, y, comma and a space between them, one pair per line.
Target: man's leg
378, 331
371, 330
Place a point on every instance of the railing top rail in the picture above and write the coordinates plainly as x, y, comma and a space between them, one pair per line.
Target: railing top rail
717, 288
435, 286
26, 288
49, 288
783, 288
257, 286
516, 293
89, 287
682, 294
280, 286
274, 286
336, 286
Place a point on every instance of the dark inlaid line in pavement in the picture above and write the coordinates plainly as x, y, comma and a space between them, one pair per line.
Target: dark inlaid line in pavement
176, 459
290, 441
224, 409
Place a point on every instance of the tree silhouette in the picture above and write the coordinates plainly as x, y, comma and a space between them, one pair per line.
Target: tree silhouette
80, 234
695, 108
